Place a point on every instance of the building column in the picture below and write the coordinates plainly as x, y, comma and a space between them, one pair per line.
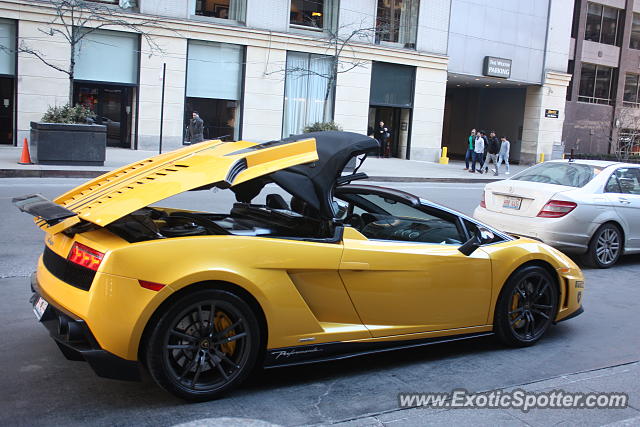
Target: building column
150, 95
38, 85
540, 133
351, 108
428, 113
263, 94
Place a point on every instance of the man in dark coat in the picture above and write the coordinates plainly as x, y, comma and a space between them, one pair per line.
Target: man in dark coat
196, 128
493, 148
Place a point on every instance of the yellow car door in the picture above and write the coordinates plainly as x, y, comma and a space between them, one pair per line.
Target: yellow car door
403, 271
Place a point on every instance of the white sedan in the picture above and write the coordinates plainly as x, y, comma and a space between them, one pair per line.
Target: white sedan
586, 207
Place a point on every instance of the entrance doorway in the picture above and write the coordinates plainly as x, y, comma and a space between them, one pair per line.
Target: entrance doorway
220, 117
6, 110
112, 105
397, 121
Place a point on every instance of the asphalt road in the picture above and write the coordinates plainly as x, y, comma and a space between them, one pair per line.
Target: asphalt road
39, 387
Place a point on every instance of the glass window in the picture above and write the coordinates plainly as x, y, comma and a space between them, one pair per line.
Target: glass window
629, 139
308, 92
596, 84
628, 180
569, 174
120, 47
631, 90
214, 89
602, 24
594, 21
397, 22
634, 42
609, 25
612, 185
234, 10
8, 42
383, 218
320, 14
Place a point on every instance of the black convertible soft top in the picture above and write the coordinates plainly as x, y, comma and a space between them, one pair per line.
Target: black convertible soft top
314, 182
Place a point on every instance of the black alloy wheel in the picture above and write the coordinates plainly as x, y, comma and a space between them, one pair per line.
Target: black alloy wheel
204, 345
605, 247
526, 307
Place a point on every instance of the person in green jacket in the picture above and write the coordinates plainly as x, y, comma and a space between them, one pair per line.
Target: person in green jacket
469, 155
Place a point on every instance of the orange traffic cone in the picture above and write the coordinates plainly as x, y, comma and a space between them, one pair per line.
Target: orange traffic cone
25, 158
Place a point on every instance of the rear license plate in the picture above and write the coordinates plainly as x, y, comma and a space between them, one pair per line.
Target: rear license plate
512, 203
40, 307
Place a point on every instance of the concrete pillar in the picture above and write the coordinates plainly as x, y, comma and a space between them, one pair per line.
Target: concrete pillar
150, 95
40, 86
428, 112
352, 99
405, 117
539, 133
263, 94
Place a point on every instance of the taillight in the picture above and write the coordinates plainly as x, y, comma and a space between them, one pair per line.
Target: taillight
85, 256
482, 202
556, 209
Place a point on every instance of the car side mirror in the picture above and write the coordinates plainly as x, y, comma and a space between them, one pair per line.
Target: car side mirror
477, 239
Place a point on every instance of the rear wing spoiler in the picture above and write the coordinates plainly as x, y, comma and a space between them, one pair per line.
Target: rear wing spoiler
46, 212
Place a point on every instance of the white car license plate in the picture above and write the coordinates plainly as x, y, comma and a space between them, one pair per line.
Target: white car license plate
40, 307
512, 203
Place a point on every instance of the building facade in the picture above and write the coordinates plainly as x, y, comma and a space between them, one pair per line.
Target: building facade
602, 103
264, 69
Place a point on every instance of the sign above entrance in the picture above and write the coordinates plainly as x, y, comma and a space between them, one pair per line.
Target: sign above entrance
551, 113
496, 67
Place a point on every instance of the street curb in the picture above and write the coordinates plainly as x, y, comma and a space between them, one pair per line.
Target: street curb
64, 173
430, 179
49, 173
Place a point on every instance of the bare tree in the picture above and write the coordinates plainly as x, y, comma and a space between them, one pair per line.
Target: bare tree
338, 46
627, 121
76, 19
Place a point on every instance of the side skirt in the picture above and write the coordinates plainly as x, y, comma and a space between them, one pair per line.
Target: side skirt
314, 353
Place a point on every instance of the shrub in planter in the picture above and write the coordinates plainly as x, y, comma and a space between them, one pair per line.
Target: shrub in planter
322, 126
78, 114
66, 135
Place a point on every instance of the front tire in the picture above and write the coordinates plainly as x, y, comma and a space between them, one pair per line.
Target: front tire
605, 247
526, 307
204, 345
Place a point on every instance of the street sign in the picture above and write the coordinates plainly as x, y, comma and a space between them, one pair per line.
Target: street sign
551, 113
496, 67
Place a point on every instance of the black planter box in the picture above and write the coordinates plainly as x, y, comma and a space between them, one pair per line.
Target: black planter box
68, 144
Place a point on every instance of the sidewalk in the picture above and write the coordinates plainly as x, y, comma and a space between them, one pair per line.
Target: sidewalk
378, 169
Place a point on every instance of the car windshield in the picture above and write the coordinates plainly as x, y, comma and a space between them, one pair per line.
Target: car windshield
568, 174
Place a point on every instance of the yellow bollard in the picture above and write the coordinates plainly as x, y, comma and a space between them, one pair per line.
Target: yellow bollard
541, 157
444, 160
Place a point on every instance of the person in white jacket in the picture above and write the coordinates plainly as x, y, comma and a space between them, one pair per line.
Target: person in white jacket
478, 152
503, 155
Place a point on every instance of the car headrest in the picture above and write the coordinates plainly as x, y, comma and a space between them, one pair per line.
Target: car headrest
276, 201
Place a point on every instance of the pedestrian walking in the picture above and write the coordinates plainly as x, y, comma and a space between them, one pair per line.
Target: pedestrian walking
469, 154
478, 152
196, 128
503, 155
492, 148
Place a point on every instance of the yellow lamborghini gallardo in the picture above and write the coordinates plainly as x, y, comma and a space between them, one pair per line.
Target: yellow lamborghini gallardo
305, 266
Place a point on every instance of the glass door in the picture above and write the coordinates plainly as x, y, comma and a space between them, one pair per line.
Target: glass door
6, 110
112, 105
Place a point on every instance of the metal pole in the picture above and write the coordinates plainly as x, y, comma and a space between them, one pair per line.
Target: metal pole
164, 73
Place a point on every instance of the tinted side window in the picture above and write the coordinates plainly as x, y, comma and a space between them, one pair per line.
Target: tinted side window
612, 185
628, 180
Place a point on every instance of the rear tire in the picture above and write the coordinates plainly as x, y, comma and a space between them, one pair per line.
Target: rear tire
526, 307
205, 344
605, 247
